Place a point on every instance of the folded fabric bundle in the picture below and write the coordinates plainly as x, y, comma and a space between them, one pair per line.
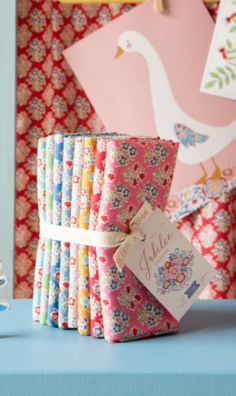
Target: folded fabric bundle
49, 219
83, 262
41, 187
136, 170
95, 301
74, 223
68, 158
98, 183
53, 298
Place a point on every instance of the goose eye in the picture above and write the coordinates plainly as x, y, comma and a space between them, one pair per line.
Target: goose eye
128, 44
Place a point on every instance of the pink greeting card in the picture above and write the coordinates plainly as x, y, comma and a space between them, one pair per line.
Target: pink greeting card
143, 71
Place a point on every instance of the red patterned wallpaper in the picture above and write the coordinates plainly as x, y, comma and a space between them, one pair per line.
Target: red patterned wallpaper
48, 99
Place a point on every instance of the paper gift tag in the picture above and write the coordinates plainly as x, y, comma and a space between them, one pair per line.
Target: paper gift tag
220, 72
165, 262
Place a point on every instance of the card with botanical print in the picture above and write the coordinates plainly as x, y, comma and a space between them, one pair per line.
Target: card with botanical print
136, 170
220, 72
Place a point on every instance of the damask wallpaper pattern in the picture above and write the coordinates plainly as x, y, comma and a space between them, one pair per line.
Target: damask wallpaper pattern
49, 99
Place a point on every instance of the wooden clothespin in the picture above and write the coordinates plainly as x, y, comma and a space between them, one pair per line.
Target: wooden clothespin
211, 1
159, 5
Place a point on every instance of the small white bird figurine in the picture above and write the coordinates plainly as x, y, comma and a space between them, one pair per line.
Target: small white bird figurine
4, 306
199, 142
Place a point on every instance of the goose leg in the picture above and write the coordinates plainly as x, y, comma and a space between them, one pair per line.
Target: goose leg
217, 171
204, 177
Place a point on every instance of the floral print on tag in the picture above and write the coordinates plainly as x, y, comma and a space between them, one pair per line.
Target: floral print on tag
176, 272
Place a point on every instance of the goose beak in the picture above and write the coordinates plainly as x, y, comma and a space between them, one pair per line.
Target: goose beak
119, 52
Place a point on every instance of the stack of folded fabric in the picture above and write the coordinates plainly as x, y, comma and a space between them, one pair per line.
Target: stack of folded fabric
98, 183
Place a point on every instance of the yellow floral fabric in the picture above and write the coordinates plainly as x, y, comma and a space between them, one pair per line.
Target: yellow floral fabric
84, 213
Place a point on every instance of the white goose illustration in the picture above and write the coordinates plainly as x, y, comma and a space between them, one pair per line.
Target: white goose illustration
198, 141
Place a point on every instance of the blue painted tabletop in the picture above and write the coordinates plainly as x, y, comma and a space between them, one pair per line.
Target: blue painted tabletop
199, 360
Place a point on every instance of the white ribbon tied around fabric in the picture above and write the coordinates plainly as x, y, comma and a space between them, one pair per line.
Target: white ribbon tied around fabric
105, 239
81, 236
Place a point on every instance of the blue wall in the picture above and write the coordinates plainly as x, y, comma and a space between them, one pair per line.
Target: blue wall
7, 137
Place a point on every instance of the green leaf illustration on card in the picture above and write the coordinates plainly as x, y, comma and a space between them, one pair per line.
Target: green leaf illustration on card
230, 50
224, 75
210, 84
229, 44
231, 19
220, 77
220, 72
233, 28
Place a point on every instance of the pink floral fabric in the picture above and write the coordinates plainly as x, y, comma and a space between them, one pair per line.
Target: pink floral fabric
212, 229
135, 170
95, 300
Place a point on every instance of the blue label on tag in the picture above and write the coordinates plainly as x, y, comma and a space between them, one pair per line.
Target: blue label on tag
191, 290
